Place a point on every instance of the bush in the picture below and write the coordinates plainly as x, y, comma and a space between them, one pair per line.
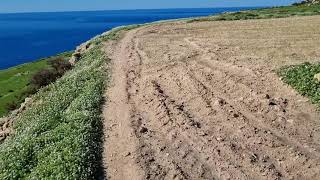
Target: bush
46, 76
11, 106
60, 65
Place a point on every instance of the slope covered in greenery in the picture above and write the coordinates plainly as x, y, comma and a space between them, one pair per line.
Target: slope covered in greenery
55, 138
266, 13
15, 83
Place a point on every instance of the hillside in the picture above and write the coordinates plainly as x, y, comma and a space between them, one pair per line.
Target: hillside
205, 98
16, 83
265, 13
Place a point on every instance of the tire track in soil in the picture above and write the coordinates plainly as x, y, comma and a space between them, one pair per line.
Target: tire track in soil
195, 117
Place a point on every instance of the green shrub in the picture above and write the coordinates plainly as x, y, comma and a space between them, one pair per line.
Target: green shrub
11, 106
301, 78
58, 66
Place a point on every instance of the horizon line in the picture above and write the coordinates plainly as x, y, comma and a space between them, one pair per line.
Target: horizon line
65, 11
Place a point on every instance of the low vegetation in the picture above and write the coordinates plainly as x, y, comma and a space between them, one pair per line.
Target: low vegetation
16, 82
56, 137
266, 13
58, 66
301, 78
60, 135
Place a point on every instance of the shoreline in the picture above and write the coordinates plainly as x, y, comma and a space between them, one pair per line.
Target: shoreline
15, 55
190, 19
185, 109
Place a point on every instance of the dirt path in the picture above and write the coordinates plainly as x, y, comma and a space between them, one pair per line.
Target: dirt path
121, 142
197, 101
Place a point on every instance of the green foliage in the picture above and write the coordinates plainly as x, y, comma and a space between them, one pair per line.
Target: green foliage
15, 82
59, 136
58, 66
276, 12
301, 78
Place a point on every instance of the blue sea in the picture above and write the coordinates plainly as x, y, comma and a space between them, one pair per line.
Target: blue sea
25, 37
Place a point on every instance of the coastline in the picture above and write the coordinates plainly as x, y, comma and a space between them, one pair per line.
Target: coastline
69, 29
148, 108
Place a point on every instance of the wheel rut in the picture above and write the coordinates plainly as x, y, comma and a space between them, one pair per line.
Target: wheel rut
180, 110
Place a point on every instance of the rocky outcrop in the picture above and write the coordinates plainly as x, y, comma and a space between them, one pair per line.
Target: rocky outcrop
6, 122
5, 128
76, 56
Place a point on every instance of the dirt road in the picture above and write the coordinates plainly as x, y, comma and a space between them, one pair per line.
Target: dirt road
201, 101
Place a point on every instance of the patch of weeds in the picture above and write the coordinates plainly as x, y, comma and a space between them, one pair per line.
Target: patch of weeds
301, 78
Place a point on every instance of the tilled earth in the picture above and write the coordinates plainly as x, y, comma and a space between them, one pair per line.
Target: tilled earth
202, 101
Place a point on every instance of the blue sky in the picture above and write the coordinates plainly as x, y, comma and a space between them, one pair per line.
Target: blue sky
78, 5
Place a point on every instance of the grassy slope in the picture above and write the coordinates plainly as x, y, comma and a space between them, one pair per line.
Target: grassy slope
301, 78
14, 82
59, 136
276, 12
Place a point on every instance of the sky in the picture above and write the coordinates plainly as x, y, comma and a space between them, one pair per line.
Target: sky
88, 5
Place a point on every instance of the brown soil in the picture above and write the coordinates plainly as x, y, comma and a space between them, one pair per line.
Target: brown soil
202, 101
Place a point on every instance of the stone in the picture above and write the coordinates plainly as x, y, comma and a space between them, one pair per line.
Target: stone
75, 58
317, 77
143, 130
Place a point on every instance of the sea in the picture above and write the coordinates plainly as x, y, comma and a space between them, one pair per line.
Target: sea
26, 37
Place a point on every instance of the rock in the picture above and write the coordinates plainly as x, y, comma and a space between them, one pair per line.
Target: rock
127, 154
4, 135
143, 130
317, 77
3, 121
267, 96
220, 139
81, 49
75, 58
220, 102
24, 105
253, 158
235, 115
202, 133
272, 102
